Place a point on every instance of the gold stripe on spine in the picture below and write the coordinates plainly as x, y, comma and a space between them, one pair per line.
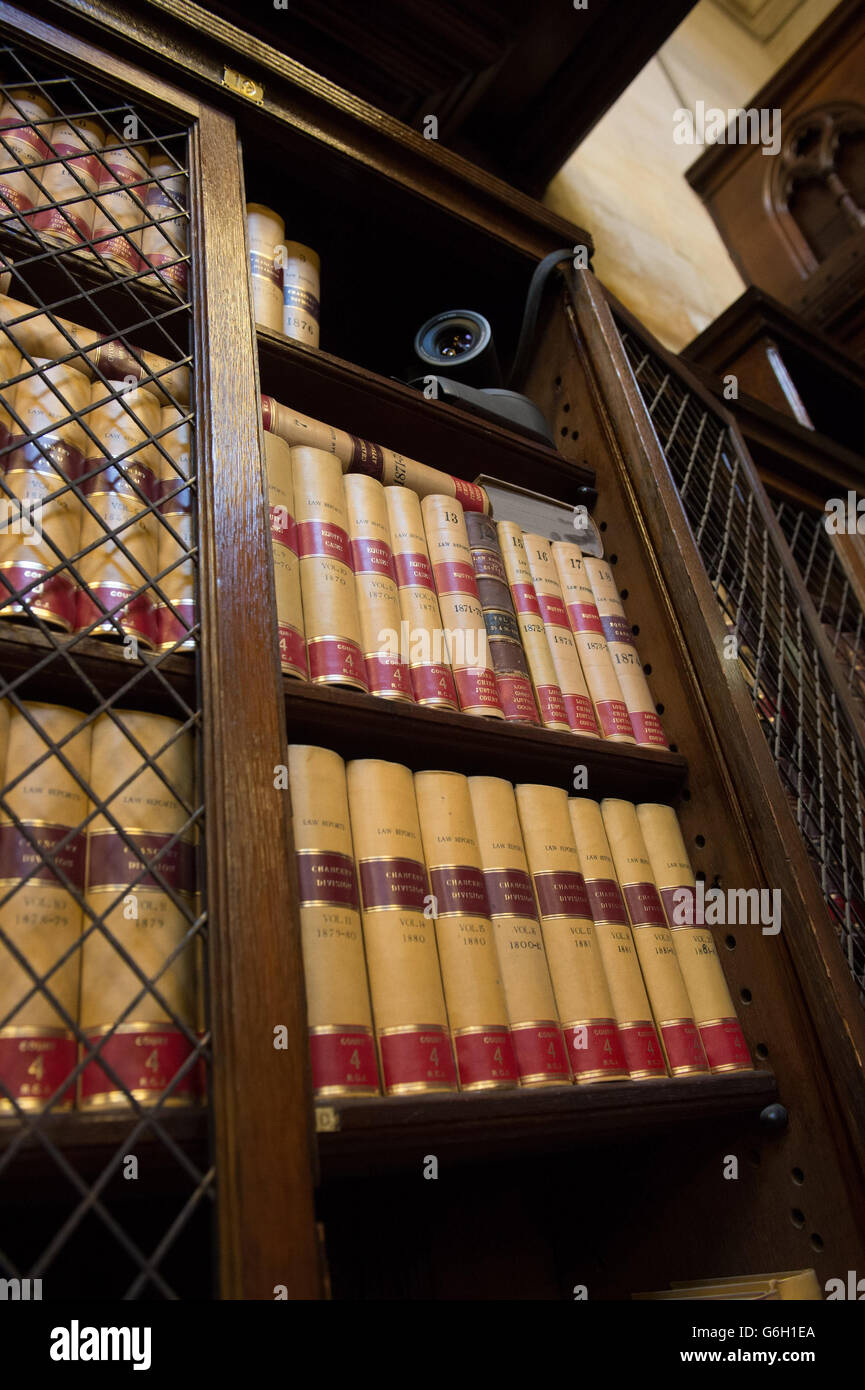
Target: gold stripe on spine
662, 974
335, 966
694, 945
42, 918
576, 965
461, 611
265, 230
328, 592
404, 973
525, 971
615, 939
470, 966
155, 804
377, 594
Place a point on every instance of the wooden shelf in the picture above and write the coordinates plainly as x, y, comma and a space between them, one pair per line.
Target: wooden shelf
388, 412
396, 1131
366, 726
89, 1141
73, 283
59, 668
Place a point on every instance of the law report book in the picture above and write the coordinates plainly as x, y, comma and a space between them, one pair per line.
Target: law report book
472, 976
531, 1003
328, 591
286, 562
503, 633
40, 915
601, 680
461, 611
421, 632
665, 985
408, 1000
377, 594
566, 660
714, 1012
531, 627
626, 661
339, 1013
582, 993
640, 1041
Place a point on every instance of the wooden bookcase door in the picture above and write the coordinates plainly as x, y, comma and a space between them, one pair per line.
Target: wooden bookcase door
255, 1144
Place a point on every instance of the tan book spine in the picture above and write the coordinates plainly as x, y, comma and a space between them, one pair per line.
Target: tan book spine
46, 455
11, 365
624, 656
70, 181
500, 618
301, 292
328, 591
124, 534
576, 966
408, 1002
566, 659
120, 214
538, 655
37, 335
461, 611
165, 241
421, 631
665, 986
25, 119
338, 1010
286, 563
42, 858
531, 1003
176, 618
601, 680
141, 885
362, 456
377, 592
265, 231
714, 1012
474, 990
642, 1046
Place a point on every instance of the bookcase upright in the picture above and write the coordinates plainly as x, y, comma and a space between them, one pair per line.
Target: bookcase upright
613, 1187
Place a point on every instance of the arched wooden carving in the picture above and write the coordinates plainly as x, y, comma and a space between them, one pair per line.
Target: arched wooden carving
815, 186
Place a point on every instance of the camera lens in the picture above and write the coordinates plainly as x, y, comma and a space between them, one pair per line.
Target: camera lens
454, 342
458, 344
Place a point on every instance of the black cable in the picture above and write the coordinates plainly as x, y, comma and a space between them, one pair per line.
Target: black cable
537, 285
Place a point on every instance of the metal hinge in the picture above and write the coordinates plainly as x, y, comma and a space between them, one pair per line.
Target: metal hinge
244, 86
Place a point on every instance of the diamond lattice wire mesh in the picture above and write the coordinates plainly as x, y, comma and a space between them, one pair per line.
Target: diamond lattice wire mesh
103, 1041
831, 592
811, 738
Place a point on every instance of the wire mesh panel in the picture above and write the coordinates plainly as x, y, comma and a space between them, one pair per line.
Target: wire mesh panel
103, 1038
812, 740
831, 592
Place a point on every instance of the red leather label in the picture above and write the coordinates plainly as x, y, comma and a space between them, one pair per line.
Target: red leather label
485, 1057
344, 1061
421, 1058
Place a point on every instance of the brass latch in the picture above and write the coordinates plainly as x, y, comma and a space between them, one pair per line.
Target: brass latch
244, 86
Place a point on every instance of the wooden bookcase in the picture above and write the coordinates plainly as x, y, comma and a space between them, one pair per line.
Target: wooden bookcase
618, 1187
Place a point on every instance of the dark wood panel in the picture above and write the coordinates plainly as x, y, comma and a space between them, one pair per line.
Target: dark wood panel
396, 1132
364, 726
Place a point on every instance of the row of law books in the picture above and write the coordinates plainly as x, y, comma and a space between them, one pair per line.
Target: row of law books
462, 933
97, 897
392, 578
78, 183
95, 468
799, 1285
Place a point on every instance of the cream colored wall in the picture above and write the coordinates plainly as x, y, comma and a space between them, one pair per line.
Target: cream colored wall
657, 247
